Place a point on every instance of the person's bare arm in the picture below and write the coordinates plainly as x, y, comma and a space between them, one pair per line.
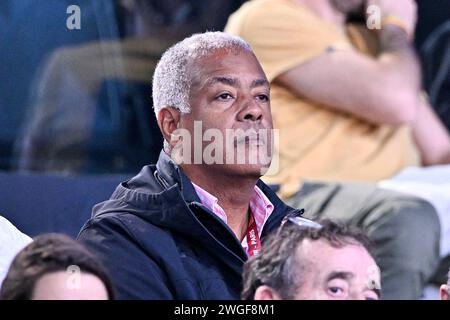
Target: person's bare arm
381, 90
431, 136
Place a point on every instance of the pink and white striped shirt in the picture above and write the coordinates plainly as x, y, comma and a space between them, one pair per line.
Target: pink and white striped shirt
260, 206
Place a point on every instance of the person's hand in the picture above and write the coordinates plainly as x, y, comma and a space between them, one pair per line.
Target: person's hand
402, 13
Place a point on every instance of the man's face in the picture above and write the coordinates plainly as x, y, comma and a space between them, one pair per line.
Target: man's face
336, 273
348, 6
229, 96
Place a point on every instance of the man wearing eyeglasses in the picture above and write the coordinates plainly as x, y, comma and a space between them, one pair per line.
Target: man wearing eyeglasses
313, 262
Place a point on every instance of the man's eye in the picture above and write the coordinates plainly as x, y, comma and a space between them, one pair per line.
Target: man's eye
263, 97
338, 289
225, 96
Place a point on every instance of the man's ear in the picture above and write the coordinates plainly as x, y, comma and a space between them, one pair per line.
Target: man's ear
168, 119
266, 293
444, 292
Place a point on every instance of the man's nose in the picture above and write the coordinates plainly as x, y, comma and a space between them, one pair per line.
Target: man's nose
251, 111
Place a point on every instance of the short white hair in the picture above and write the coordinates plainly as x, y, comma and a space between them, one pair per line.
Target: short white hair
171, 80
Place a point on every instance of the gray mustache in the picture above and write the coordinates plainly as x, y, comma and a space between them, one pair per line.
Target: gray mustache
252, 136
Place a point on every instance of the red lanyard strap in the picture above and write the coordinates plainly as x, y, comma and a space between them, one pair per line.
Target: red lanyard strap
253, 241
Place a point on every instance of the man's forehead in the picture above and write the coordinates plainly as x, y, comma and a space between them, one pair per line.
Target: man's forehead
228, 67
200, 82
323, 250
235, 81
218, 59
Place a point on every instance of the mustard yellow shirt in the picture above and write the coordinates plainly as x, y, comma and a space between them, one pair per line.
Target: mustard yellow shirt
316, 142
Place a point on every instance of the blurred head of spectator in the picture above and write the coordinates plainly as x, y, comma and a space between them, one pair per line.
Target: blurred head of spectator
144, 18
444, 290
173, 19
55, 267
313, 263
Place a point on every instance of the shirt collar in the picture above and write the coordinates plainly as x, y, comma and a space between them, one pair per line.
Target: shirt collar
260, 205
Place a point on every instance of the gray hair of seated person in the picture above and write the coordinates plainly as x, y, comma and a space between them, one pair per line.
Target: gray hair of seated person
278, 266
172, 78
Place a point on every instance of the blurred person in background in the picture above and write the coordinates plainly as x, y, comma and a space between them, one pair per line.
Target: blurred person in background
91, 110
55, 267
350, 110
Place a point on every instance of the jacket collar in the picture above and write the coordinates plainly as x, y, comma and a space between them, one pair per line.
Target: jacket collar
172, 175
164, 196
169, 174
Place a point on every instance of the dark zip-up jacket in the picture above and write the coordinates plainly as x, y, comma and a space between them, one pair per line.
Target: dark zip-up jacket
159, 242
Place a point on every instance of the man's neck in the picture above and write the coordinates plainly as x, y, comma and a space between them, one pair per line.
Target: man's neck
325, 10
233, 194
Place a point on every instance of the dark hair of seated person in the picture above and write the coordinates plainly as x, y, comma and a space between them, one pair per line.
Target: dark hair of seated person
47, 254
276, 265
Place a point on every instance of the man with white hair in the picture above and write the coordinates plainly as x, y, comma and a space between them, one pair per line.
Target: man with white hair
183, 228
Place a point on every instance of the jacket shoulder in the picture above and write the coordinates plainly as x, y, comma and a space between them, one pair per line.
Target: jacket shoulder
132, 259
122, 222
